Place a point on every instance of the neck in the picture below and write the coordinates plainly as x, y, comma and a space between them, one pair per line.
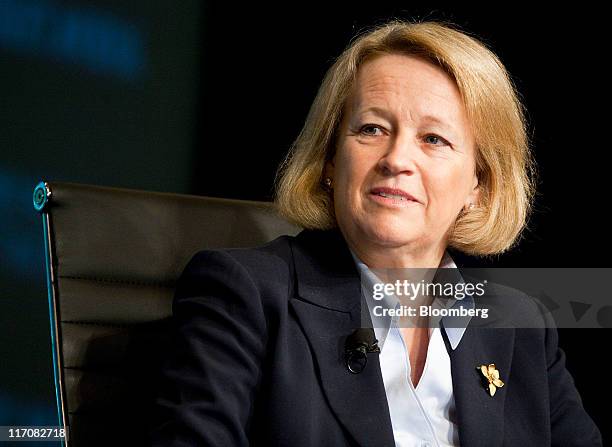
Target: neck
377, 256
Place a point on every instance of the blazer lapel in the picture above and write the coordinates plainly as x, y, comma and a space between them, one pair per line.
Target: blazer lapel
328, 307
480, 415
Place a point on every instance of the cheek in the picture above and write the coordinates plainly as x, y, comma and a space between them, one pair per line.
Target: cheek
447, 188
351, 172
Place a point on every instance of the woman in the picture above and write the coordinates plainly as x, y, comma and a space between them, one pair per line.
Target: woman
415, 144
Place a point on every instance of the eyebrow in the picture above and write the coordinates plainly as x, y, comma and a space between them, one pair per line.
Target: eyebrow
426, 118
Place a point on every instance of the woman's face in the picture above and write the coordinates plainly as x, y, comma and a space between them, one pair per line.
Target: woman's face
405, 160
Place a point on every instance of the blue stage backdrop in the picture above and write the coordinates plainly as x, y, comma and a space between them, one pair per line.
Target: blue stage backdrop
101, 92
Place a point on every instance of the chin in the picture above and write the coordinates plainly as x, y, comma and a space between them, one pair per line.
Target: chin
391, 235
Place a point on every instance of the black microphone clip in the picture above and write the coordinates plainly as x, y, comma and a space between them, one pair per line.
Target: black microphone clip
357, 347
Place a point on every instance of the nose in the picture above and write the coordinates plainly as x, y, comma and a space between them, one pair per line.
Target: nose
400, 156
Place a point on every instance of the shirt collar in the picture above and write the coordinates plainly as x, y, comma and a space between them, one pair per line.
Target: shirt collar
454, 326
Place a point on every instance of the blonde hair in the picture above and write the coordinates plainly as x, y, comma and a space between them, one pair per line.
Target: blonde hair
504, 165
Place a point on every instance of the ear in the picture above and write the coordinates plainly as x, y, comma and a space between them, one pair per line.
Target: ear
328, 170
474, 195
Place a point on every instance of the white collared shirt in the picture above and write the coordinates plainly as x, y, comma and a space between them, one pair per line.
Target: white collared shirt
423, 416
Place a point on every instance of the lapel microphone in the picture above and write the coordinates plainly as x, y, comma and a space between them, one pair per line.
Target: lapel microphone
357, 347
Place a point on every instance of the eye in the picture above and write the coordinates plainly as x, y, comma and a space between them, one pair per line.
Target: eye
371, 130
436, 140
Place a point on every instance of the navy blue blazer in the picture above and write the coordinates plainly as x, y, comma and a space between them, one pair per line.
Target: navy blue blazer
258, 359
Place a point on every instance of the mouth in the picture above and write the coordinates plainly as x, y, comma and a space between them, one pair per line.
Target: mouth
393, 195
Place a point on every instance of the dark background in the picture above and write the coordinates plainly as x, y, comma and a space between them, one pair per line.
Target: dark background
205, 98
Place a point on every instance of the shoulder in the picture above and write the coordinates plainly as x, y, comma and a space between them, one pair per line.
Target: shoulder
510, 307
275, 257
270, 262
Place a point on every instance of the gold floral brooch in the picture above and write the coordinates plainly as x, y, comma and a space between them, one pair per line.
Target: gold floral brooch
492, 375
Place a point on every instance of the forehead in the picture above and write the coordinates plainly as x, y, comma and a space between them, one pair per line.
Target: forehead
407, 85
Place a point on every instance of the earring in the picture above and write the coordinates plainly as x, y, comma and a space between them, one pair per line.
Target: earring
327, 182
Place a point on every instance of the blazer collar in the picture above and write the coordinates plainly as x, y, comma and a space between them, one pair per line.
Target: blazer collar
329, 306
324, 265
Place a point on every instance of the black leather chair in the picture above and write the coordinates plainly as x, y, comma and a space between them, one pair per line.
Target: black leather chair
113, 256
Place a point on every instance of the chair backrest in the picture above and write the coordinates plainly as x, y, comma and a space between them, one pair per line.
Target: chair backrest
113, 256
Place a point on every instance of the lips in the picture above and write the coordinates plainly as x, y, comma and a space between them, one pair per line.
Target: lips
393, 193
